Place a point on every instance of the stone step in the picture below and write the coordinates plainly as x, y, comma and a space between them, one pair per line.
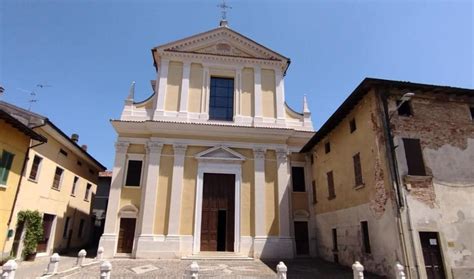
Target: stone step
217, 256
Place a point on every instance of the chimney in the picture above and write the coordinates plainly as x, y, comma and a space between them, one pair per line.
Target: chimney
75, 138
84, 147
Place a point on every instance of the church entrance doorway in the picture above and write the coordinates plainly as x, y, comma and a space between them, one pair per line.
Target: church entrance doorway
218, 203
126, 235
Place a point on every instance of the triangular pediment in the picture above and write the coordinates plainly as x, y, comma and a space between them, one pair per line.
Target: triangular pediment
222, 41
220, 153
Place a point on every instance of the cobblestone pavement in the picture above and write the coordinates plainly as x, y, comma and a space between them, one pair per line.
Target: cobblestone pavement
37, 267
299, 268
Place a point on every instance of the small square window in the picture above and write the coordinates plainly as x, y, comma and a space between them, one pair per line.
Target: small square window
352, 125
63, 152
404, 108
327, 147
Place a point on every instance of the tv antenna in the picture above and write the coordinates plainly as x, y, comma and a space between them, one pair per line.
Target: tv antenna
33, 94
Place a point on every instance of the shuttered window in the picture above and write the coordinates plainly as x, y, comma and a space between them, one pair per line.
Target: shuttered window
35, 168
6, 162
357, 170
88, 192
134, 172
58, 174
315, 196
297, 177
331, 190
414, 157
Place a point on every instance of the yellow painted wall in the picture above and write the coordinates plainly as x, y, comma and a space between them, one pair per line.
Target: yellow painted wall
130, 195
247, 96
343, 146
38, 195
164, 190
195, 88
15, 142
136, 148
247, 206
268, 93
189, 190
271, 193
291, 115
173, 90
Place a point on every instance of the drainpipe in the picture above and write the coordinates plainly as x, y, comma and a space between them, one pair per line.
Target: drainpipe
394, 174
23, 168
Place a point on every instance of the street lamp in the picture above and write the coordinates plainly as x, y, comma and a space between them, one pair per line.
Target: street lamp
405, 98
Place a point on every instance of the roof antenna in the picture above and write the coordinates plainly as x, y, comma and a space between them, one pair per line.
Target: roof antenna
33, 96
224, 7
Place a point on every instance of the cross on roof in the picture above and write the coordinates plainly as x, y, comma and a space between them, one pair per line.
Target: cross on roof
224, 8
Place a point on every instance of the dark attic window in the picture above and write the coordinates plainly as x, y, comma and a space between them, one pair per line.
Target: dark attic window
63, 152
472, 112
404, 109
327, 147
352, 125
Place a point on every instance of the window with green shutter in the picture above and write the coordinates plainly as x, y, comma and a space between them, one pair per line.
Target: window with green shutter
5, 166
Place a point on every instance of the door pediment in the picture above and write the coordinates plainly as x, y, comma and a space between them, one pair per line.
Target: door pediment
220, 153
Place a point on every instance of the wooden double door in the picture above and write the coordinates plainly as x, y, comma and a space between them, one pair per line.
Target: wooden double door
218, 203
126, 235
432, 255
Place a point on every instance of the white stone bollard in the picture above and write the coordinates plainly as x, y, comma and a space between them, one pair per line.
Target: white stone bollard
53, 264
8, 269
281, 270
105, 269
358, 270
80, 257
100, 253
400, 271
193, 271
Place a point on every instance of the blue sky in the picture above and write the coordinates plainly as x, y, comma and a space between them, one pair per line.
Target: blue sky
90, 51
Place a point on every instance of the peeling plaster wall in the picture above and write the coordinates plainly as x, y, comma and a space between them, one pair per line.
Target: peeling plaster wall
442, 201
384, 241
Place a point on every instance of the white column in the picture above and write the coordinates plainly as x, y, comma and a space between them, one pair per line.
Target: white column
162, 84
280, 97
150, 187
205, 94
258, 117
109, 238
176, 189
259, 163
283, 193
183, 101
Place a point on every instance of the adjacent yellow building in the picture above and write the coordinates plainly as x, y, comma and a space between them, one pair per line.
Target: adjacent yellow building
206, 163
59, 180
15, 141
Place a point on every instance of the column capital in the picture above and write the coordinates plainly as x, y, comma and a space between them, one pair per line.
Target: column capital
153, 147
259, 152
121, 146
282, 154
179, 149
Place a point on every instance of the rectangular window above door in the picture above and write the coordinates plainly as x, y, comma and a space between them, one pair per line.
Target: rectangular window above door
221, 101
297, 177
134, 172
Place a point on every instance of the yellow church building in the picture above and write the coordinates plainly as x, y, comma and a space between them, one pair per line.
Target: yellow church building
209, 165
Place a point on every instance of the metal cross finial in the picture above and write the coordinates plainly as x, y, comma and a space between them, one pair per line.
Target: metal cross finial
224, 8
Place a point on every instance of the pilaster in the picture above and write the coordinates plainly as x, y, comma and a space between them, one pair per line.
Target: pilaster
259, 163
149, 195
283, 192
204, 115
258, 117
109, 238
162, 85
183, 103
176, 190
280, 97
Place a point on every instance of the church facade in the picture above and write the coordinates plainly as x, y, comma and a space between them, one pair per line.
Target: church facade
210, 162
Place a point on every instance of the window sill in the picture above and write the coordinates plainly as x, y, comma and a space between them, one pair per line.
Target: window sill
3, 186
33, 180
86, 200
72, 195
56, 189
132, 187
360, 186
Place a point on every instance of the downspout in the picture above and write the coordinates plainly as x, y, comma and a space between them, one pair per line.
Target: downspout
394, 174
23, 168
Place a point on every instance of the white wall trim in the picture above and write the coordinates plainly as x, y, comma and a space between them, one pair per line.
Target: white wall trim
210, 167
